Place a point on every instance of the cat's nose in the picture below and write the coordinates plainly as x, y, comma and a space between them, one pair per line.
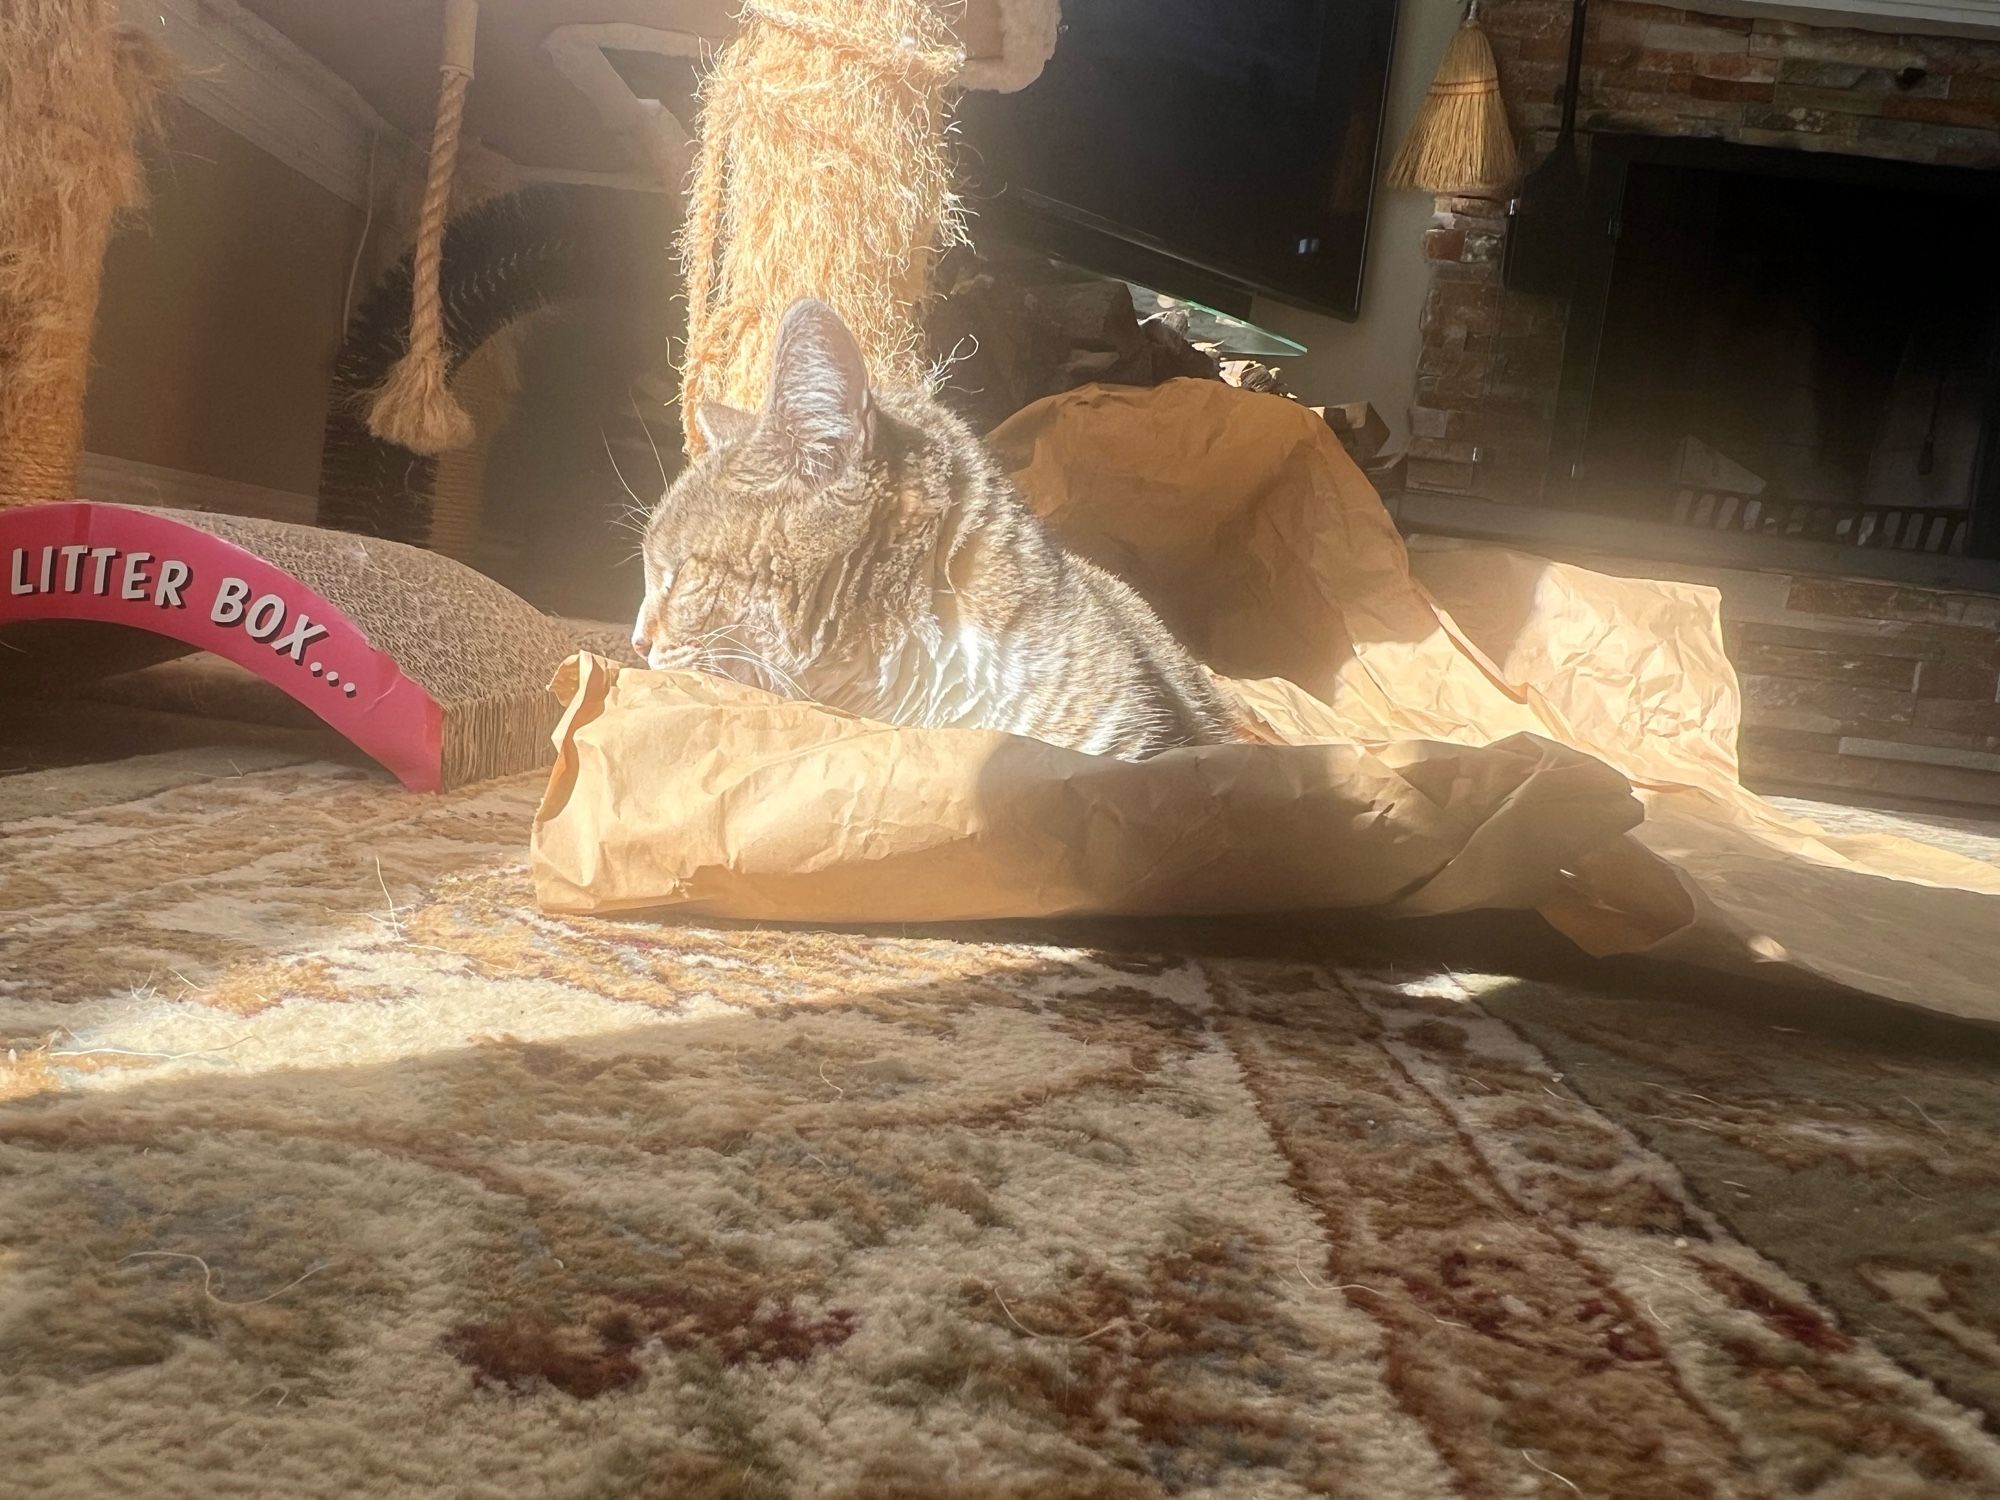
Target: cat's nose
643, 646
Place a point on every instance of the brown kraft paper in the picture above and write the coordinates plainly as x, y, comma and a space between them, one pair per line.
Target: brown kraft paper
1482, 732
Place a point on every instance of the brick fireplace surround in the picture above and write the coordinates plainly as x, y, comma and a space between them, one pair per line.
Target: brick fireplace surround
1881, 689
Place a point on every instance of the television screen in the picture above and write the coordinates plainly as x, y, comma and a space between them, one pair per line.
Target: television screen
1208, 148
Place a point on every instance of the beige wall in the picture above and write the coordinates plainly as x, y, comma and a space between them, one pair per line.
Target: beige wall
221, 310
221, 314
1375, 358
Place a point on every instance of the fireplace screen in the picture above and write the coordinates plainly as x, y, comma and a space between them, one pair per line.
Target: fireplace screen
1798, 352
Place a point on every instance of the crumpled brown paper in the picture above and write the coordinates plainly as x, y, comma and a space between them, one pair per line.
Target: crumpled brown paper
678, 789
1471, 735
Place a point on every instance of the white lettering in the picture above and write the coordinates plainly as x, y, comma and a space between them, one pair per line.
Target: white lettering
167, 592
266, 615
73, 560
136, 577
229, 601
21, 583
103, 556
294, 642
48, 570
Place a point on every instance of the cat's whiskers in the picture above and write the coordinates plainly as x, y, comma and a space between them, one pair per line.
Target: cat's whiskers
777, 674
780, 682
734, 634
646, 427
747, 637
720, 633
618, 471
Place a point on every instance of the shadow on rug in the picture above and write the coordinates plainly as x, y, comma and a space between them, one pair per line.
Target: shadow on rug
328, 1166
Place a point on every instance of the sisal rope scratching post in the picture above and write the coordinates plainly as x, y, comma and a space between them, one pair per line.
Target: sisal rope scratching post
822, 172
488, 381
77, 91
415, 406
1460, 140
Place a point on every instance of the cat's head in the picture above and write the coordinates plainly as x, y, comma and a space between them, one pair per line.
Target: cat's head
799, 529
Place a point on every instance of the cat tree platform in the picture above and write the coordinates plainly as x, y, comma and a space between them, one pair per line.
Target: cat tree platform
428, 667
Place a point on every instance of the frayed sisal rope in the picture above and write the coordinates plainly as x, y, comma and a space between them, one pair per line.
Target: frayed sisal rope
415, 406
822, 172
77, 92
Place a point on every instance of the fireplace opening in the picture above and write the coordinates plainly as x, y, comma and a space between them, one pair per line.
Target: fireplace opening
1789, 345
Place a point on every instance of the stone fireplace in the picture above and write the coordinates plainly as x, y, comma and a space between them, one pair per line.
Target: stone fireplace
1777, 368
1785, 343
1886, 118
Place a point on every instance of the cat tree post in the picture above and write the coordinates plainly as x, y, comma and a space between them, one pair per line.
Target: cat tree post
486, 382
822, 172
76, 91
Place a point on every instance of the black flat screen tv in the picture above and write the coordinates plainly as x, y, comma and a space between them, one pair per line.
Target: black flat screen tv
1210, 149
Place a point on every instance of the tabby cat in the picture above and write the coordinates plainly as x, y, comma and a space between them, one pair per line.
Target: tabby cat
860, 548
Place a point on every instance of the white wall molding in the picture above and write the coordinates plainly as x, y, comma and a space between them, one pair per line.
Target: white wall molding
1966, 18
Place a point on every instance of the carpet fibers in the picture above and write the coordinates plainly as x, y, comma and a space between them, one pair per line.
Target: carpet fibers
329, 1167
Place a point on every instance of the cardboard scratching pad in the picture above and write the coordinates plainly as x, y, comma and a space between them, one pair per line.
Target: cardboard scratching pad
430, 668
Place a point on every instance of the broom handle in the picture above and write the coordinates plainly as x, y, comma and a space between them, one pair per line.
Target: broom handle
1572, 80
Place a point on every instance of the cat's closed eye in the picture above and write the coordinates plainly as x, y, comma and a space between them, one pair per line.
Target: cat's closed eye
660, 574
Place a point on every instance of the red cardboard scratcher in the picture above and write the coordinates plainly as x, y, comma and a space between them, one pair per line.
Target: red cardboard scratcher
430, 668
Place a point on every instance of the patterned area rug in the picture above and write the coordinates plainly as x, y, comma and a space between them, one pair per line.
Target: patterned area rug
329, 1167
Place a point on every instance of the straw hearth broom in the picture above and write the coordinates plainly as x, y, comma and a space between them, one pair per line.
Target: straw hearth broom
1460, 140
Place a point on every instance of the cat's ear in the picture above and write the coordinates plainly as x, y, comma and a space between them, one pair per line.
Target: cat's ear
818, 406
722, 425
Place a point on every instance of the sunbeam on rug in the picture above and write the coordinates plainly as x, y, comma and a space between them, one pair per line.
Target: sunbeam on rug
422, 1180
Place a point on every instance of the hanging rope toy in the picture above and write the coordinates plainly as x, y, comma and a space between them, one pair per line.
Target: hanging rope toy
415, 406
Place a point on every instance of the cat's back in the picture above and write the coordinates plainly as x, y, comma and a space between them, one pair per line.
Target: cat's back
1184, 705
1079, 656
